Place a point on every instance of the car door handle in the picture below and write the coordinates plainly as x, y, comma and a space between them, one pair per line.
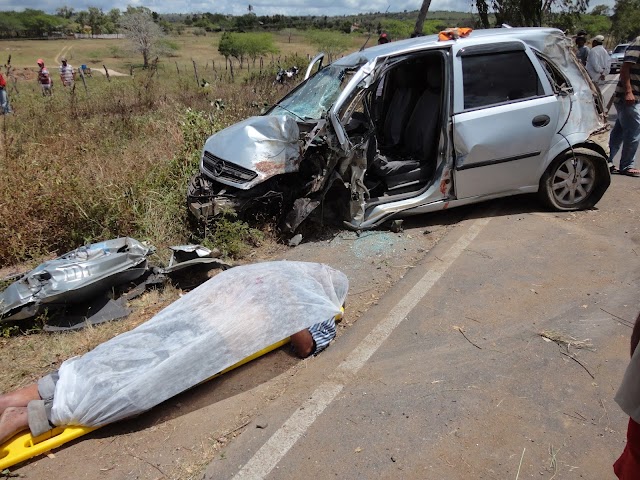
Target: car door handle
541, 121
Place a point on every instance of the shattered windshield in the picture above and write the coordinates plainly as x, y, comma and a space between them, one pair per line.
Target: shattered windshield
314, 97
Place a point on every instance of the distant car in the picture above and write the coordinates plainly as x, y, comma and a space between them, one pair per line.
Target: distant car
617, 56
417, 126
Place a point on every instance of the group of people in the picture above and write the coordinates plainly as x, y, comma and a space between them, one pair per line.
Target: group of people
67, 76
596, 59
625, 134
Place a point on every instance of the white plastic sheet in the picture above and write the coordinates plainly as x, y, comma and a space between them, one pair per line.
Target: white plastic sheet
233, 315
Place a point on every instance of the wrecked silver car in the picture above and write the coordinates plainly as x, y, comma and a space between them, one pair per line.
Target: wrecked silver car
417, 126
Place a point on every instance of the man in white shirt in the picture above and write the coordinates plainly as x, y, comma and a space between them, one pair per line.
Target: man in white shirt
67, 73
598, 61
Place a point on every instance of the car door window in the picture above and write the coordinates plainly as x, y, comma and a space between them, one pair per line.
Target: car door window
498, 78
559, 82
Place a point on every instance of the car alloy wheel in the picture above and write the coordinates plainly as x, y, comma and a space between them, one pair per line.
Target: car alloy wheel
573, 181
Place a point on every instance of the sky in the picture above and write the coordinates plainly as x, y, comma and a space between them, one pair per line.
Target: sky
260, 7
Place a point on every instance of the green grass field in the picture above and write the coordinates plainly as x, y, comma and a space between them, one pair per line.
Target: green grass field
98, 52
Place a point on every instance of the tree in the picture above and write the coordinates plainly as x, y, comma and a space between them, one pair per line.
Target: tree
626, 19
10, 25
331, 43
141, 31
96, 20
527, 13
601, 10
64, 12
422, 14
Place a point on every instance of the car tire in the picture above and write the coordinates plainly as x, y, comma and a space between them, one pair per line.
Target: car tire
563, 190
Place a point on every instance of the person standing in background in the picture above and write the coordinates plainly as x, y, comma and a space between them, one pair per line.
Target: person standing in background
44, 79
626, 131
67, 74
582, 51
5, 107
598, 61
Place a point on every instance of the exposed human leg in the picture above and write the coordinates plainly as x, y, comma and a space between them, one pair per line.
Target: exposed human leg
630, 121
19, 398
4, 101
12, 421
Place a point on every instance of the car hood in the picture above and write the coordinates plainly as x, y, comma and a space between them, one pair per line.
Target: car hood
267, 145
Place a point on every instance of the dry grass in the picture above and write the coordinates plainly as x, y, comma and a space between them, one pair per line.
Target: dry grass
110, 161
32, 356
565, 340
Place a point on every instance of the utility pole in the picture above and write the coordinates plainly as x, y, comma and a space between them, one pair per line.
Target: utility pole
421, 16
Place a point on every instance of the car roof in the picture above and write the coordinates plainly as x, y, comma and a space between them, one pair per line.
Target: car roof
530, 35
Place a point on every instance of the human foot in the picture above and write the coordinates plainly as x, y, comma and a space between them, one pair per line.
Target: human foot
12, 421
631, 172
19, 398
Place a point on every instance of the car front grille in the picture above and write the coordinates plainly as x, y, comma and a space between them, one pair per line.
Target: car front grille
224, 170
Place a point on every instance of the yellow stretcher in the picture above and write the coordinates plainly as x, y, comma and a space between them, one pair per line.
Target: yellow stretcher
24, 446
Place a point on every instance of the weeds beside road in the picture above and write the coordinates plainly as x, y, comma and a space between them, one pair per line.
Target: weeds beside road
78, 167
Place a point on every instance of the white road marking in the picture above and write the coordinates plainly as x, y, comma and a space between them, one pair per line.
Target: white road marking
277, 446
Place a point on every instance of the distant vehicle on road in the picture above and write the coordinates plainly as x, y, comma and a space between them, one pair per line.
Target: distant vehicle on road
617, 56
417, 126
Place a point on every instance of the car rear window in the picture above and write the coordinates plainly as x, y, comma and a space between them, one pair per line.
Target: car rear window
498, 78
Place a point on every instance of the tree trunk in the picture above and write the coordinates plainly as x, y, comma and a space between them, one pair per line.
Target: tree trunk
483, 11
145, 58
421, 16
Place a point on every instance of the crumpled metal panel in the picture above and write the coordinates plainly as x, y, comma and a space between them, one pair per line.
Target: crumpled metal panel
268, 145
74, 277
583, 112
185, 256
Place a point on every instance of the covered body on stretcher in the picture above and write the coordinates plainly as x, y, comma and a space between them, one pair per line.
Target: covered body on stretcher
237, 313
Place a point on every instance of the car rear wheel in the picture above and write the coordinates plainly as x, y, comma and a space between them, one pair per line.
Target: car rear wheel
574, 182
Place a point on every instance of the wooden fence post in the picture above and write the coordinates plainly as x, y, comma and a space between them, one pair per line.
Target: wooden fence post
177, 68
195, 71
84, 82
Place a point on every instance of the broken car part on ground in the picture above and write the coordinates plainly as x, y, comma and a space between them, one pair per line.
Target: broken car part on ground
416, 126
87, 277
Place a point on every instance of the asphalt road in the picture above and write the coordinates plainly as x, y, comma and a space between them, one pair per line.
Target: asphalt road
448, 376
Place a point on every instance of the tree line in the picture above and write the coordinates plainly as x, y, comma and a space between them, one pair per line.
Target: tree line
622, 22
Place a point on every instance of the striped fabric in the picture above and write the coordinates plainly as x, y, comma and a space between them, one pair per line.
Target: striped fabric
322, 334
632, 55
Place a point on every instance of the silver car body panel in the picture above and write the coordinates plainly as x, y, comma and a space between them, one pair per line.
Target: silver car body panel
268, 145
75, 277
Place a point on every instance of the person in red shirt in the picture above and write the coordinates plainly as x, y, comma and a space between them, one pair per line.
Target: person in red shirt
4, 96
44, 79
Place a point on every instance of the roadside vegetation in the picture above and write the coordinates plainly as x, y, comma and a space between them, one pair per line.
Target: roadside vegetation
111, 160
